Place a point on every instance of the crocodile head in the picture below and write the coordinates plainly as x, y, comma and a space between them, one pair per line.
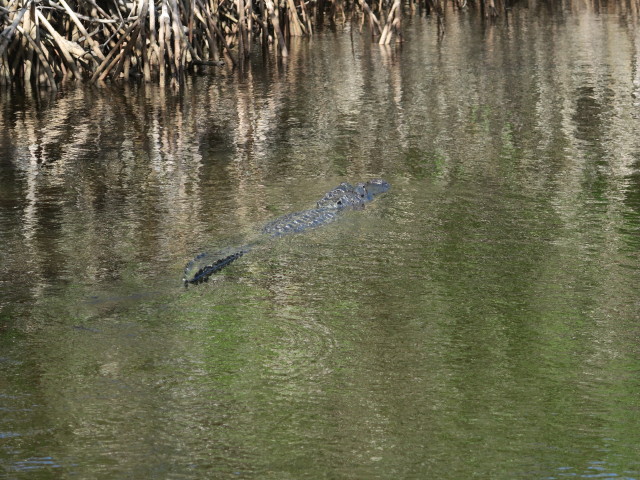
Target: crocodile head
346, 195
376, 187
372, 188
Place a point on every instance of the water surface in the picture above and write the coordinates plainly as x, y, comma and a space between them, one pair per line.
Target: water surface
480, 320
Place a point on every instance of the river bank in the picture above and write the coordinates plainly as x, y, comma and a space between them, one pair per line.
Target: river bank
47, 43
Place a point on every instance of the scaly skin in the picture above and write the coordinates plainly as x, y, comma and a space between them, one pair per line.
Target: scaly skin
354, 196
329, 208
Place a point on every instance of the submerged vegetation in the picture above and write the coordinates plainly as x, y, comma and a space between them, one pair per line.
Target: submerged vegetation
46, 42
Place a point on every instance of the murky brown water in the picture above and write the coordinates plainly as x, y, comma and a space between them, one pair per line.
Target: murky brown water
478, 321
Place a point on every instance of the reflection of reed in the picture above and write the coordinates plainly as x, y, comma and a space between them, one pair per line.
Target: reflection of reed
134, 157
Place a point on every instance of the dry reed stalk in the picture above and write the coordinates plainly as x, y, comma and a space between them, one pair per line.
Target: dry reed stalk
305, 18
51, 81
392, 24
242, 37
490, 9
107, 62
152, 38
374, 24
48, 41
5, 74
210, 34
60, 42
163, 22
178, 33
7, 34
296, 28
76, 20
123, 61
263, 24
26, 56
249, 17
271, 9
216, 30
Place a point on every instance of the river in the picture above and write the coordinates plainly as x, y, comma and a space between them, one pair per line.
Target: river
479, 320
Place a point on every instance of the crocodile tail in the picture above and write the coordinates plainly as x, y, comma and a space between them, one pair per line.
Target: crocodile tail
206, 264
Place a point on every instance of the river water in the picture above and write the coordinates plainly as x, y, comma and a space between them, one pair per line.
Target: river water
480, 320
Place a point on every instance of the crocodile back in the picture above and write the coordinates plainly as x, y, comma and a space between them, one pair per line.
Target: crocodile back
300, 221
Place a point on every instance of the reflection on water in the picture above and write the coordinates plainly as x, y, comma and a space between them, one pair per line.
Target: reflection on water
480, 320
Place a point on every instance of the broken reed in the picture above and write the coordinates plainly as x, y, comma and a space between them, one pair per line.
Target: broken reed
50, 41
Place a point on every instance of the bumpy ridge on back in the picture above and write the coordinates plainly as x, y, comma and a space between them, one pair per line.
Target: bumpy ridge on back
300, 221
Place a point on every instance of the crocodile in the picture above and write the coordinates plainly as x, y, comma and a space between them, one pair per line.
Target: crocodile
328, 209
